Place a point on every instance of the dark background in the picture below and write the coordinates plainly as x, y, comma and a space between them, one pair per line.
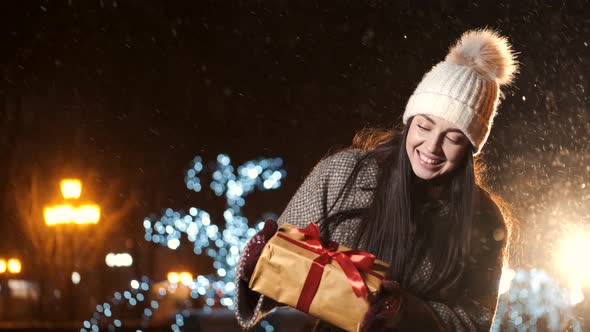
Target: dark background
130, 91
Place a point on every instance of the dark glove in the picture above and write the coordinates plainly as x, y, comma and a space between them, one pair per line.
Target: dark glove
384, 310
254, 248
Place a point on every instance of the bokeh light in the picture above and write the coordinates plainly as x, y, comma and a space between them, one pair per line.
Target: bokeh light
118, 259
76, 278
186, 278
71, 188
14, 266
207, 238
506, 279
67, 214
573, 257
223, 245
532, 299
173, 277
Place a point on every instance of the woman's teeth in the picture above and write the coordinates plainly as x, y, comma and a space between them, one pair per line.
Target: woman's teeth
430, 161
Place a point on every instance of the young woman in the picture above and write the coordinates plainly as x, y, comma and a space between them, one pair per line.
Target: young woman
412, 199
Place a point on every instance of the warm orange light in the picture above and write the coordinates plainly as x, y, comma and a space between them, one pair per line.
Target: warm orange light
87, 214
2, 266
68, 214
173, 277
71, 188
186, 278
14, 266
57, 214
506, 279
180, 277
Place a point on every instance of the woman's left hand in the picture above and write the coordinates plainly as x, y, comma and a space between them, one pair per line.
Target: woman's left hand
254, 248
384, 310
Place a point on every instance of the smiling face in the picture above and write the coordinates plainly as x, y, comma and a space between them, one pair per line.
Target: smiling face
435, 146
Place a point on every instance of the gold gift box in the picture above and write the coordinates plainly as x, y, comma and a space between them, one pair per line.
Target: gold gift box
282, 269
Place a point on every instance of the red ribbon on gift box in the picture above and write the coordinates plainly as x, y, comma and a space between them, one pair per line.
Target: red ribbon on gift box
351, 262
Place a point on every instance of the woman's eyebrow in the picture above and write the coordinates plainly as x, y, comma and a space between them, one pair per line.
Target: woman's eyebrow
455, 131
429, 119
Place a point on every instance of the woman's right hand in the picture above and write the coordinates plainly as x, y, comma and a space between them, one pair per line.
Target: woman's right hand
254, 248
384, 311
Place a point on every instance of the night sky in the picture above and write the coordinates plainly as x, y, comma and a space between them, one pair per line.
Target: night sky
131, 91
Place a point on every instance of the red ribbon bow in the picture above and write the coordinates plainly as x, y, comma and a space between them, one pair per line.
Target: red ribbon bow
351, 261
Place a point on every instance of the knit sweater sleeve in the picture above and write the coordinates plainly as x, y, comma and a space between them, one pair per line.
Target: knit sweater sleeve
473, 308
320, 190
321, 186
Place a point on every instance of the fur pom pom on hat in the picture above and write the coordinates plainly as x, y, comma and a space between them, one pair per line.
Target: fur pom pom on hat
464, 89
486, 52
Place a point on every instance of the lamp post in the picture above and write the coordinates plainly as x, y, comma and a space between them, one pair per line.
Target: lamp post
62, 217
66, 213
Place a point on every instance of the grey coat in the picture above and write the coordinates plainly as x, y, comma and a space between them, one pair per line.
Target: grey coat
467, 307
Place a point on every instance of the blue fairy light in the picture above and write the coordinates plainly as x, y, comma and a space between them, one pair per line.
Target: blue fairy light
222, 244
533, 297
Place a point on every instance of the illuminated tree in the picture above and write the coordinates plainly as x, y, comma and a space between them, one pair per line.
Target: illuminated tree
206, 237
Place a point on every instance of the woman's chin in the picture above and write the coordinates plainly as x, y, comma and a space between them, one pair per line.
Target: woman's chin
425, 174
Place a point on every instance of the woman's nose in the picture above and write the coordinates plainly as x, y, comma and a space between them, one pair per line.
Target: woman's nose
433, 144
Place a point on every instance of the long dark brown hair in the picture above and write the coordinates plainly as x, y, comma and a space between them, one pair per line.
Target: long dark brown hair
391, 227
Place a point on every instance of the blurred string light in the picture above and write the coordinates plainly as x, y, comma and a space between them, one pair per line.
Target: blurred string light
223, 245
108, 313
134, 284
533, 299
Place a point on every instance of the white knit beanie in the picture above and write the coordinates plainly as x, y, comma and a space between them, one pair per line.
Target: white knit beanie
464, 89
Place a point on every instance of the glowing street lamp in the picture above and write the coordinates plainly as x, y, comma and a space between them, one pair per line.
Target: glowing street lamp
180, 277
13, 266
71, 188
68, 213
